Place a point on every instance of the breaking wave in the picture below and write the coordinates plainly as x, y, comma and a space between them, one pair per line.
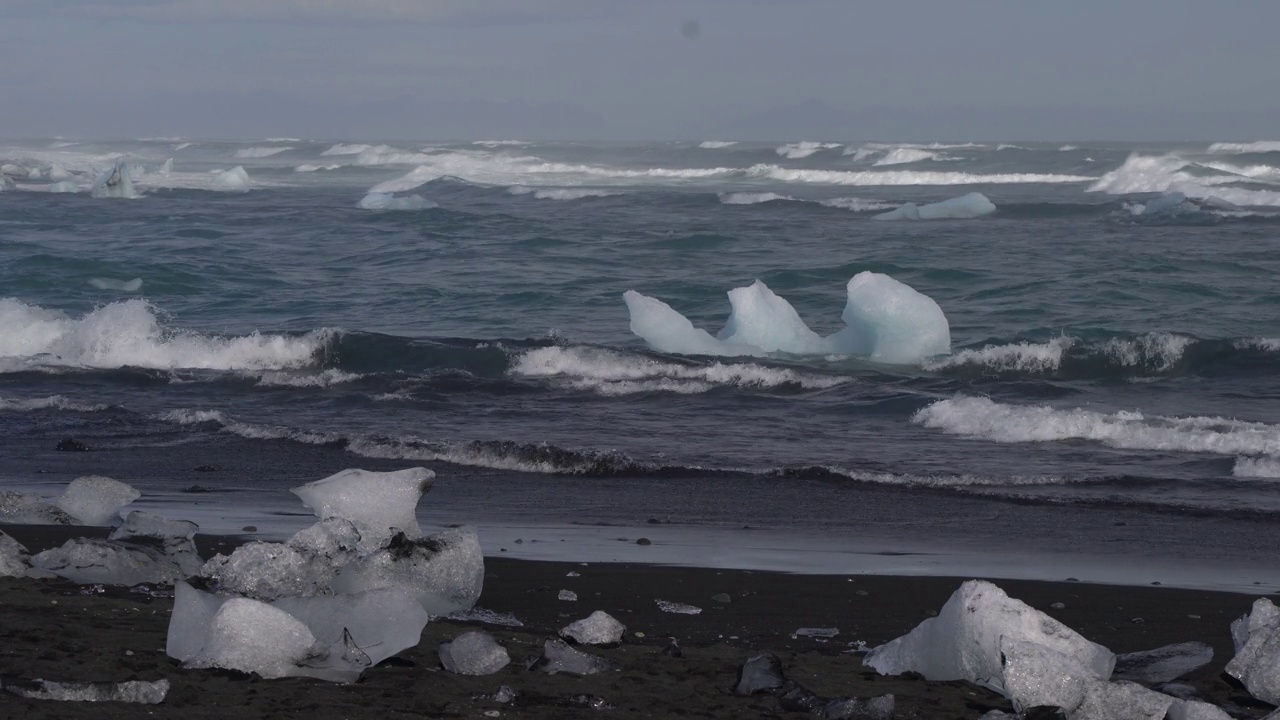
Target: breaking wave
716, 144
54, 402
611, 373
1206, 181
846, 203
803, 149
906, 177
753, 198
260, 152
1262, 146
561, 193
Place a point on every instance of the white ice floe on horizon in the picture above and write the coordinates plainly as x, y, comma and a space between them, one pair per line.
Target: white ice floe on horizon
968, 206
613, 373
385, 201
870, 178
1015, 357
503, 169
885, 319
260, 152
234, 180
856, 204
984, 419
502, 143
346, 149
115, 183
305, 168
1261, 146
128, 333
716, 144
803, 149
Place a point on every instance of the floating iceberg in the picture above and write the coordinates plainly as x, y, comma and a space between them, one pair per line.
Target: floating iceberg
233, 180
115, 183
63, 186
379, 504
887, 320
473, 653
964, 641
386, 201
7, 184
96, 500
966, 206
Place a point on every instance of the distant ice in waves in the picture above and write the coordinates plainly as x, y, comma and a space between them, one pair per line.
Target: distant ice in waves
885, 319
561, 193
985, 419
346, 149
869, 178
233, 180
115, 183
260, 152
7, 184
856, 204
316, 168
1211, 182
904, 155
133, 285
63, 186
1261, 146
752, 198
502, 143
964, 207
803, 149
716, 144
385, 201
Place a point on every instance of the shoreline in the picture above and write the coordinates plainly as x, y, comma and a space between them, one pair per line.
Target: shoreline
53, 631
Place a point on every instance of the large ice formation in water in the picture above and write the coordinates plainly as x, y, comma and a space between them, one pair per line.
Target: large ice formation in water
964, 641
115, 183
966, 206
885, 319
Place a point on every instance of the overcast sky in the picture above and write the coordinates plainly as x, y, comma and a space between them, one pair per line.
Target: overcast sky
642, 69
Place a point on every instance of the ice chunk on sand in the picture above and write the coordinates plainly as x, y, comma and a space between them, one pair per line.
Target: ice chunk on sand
1196, 710
966, 206
189, 621
677, 608
132, 691
598, 628
963, 641
761, 673
14, 560
96, 500
892, 321
378, 503
797, 699
24, 509
1163, 664
115, 183
445, 571
558, 657
233, 180
1036, 676
886, 319
146, 549
473, 653
1121, 701
380, 623
385, 201
304, 565
63, 186
1257, 660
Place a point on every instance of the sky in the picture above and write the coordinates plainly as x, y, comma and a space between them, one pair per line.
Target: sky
642, 69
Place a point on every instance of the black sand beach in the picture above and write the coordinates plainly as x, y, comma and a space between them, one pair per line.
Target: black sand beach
58, 630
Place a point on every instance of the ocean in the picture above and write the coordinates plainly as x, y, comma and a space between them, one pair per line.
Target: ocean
254, 315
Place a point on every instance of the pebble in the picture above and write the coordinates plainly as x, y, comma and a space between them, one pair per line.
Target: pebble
1058, 606
568, 595
863, 593
644, 541
721, 598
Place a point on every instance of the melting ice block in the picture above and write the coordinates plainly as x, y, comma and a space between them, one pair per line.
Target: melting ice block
1035, 675
558, 657
886, 319
96, 500
380, 623
14, 560
1257, 660
233, 180
1196, 710
473, 653
146, 549
385, 201
378, 503
963, 641
966, 206
115, 183
132, 691
1163, 664
303, 566
599, 628
445, 571
23, 509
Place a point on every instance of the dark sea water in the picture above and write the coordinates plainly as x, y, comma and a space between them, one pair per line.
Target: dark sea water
1108, 408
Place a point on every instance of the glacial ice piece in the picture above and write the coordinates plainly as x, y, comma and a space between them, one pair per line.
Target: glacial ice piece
797, 699
96, 500
1196, 710
598, 628
386, 201
966, 206
63, 186
378, 503
473, 653
14, 559
146, 549
1121, 701
302, 566
677, 608
233, 180
1163, 664
558, 657
189, 621
132, 691
381, 623
445, 571
166, 168
963, 641
115, 183
7, 184
24, 509
886, 319
1257, 660
893, 321
762, 673
1035, 675
57, 172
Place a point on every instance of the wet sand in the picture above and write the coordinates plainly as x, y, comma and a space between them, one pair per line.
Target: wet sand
52, 630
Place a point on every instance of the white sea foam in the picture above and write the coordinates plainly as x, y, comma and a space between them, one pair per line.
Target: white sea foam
1267, 344
182, 146
716, 144
1267, 466
803, 149
57, 402
1262, 146
345, 149
751, 198
985, 419
613, 373
326, 378
1172, 173
903, 155
905, 177
1016, 357
1068, 148
856, 204
561, 193
500, 169
129, 334
316, 168
133, 285
951, 481
1160, 351
260, 152
385, 201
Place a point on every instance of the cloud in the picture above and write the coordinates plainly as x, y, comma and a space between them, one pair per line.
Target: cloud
303, 12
